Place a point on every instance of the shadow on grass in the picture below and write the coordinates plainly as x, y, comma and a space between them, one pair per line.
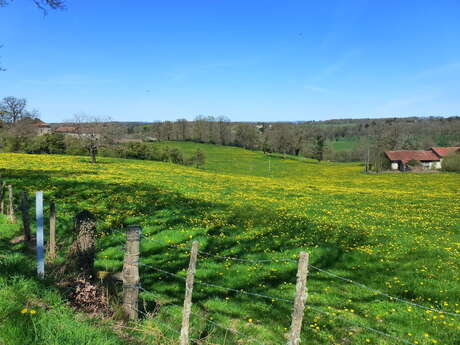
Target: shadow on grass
116, 204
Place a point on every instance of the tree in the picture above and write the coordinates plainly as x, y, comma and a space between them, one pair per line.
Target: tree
93, 132
198, 158
318, 150
246, 135
13, 109
41, 4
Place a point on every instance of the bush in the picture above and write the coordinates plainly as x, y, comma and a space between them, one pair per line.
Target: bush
452, 163
176, 156
48, 143
74, 147
198, 159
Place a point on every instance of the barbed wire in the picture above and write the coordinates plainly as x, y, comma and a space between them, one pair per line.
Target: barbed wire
284, 300
204, 319
361, 326
383, 293
272, 298
361, 285
148, 316
225, 328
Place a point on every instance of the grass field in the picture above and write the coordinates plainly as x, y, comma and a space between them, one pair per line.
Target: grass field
33, 312
344, 145
397, 233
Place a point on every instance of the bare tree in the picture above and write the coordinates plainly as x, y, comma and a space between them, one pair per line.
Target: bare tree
13, 109
93, 132
41, 4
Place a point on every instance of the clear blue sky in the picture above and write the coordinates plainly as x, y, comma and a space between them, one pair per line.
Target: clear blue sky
249, 60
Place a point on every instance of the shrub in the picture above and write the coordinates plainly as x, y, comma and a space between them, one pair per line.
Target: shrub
176, 156
198, 159
48, 143
73, 146
452, 163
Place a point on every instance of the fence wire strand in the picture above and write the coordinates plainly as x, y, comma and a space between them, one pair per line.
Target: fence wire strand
370, 329
361, 285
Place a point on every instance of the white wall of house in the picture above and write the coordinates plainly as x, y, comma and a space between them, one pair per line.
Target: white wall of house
394, 166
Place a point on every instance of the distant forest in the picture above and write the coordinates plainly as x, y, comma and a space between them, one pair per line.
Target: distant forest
337, 140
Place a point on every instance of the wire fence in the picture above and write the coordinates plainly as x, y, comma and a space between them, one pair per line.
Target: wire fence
332, 315
273, 298
363, 286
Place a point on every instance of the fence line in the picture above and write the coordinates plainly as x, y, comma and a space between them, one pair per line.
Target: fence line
361, 285
198, 316
147, 315
289, 301
361, 326
205, 319
272, 298
385, 294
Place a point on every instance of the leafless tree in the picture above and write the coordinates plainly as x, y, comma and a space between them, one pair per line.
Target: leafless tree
13, 109
181, 128
93, 132
44, 5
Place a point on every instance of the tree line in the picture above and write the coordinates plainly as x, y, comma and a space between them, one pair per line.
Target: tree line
368, 139
314, 139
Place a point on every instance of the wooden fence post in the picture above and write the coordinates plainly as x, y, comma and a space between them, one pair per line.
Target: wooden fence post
11, 216
25, 215
184, 332
2, 201
40, 249
131, 272
299, 302
52, 247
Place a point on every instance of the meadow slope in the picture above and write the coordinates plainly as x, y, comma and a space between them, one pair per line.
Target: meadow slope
397, 233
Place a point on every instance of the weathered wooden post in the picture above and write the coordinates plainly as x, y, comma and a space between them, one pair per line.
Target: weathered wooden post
40, 249
299, 302
131, 272
25, 215
52, 247
11, 216
184, 332
2, 201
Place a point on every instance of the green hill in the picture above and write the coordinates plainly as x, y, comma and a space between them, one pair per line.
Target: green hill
395, 233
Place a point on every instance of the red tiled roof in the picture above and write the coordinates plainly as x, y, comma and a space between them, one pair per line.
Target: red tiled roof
445, 151
66, 130
40, 123
409, 155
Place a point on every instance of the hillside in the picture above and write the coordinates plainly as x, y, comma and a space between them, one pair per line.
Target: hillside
395, 233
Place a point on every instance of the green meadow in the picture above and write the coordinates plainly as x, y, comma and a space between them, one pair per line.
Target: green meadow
397, 234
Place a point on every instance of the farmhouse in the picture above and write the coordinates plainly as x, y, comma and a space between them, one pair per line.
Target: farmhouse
428, 159
41, 128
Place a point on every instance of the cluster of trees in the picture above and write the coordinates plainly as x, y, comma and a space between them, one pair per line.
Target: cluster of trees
311, 139
371, 137
286, 138
56, 143
147, 151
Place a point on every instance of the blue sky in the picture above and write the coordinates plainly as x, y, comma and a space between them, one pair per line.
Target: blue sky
248, 60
